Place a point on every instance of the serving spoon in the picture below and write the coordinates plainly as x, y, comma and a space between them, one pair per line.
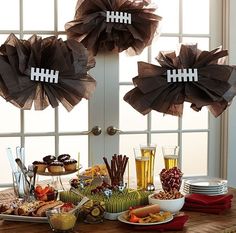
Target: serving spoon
23, 169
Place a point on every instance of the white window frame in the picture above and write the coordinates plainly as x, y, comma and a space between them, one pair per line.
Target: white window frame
108, 65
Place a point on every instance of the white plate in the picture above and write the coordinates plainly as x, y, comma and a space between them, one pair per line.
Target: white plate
209, 194
206, 182
112, 216
23, 218
206, 190
202, 191
121, 218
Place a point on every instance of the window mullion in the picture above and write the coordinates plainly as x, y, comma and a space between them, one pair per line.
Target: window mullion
180, 21
21, 19
56, 132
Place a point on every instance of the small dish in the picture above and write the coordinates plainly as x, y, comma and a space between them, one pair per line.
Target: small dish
61, 221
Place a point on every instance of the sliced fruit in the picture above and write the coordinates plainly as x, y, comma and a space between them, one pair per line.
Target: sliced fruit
95, 212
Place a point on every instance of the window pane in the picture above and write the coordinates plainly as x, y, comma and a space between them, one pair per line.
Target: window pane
12, 142
10, 117
197, 20
63, 37
9, 17
163, 122
127, 112
194, 154
39, 121
162, 140
75, 120
38, 147
27, 36
38, 15
73, 145
194, 120
170, 15
66, 12
126, 75
202, 43
3, 37
163, 44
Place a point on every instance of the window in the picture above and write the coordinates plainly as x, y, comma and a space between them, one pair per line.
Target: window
55, 131
195, 131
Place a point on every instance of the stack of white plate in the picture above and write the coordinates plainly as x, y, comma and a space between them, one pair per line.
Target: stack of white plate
205, 186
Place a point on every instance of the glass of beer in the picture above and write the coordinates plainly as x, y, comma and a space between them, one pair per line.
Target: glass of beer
149, 151
142, 166
171, 155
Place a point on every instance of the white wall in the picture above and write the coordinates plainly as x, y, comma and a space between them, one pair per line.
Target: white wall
232, 109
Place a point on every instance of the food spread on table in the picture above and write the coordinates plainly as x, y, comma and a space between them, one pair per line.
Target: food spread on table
108, 195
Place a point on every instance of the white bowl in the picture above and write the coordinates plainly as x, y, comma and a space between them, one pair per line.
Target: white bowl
172, 205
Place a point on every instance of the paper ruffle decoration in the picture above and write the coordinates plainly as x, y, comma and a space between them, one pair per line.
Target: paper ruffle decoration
215, 87
20, 58
134, 30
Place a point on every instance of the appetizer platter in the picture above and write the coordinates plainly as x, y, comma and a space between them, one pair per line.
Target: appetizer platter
34, 211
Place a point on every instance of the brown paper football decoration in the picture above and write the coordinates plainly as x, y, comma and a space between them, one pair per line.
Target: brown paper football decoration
45, 72
194, 76
105, 25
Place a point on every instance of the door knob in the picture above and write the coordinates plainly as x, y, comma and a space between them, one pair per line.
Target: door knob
96, 130
111, 130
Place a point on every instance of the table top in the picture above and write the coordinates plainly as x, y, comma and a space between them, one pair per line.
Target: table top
197, 223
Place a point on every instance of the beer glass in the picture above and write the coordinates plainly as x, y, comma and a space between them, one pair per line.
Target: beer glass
170, 154
149, 151
142, 166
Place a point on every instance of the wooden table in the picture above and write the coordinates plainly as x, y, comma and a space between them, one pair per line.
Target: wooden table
197, 223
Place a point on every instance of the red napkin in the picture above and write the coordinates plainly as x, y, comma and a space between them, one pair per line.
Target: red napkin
176, 224
207, 204
208, 200
194, 205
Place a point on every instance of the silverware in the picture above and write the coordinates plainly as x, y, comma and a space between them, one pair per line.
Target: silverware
35, 173
83, 201
30, 174
23, 169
